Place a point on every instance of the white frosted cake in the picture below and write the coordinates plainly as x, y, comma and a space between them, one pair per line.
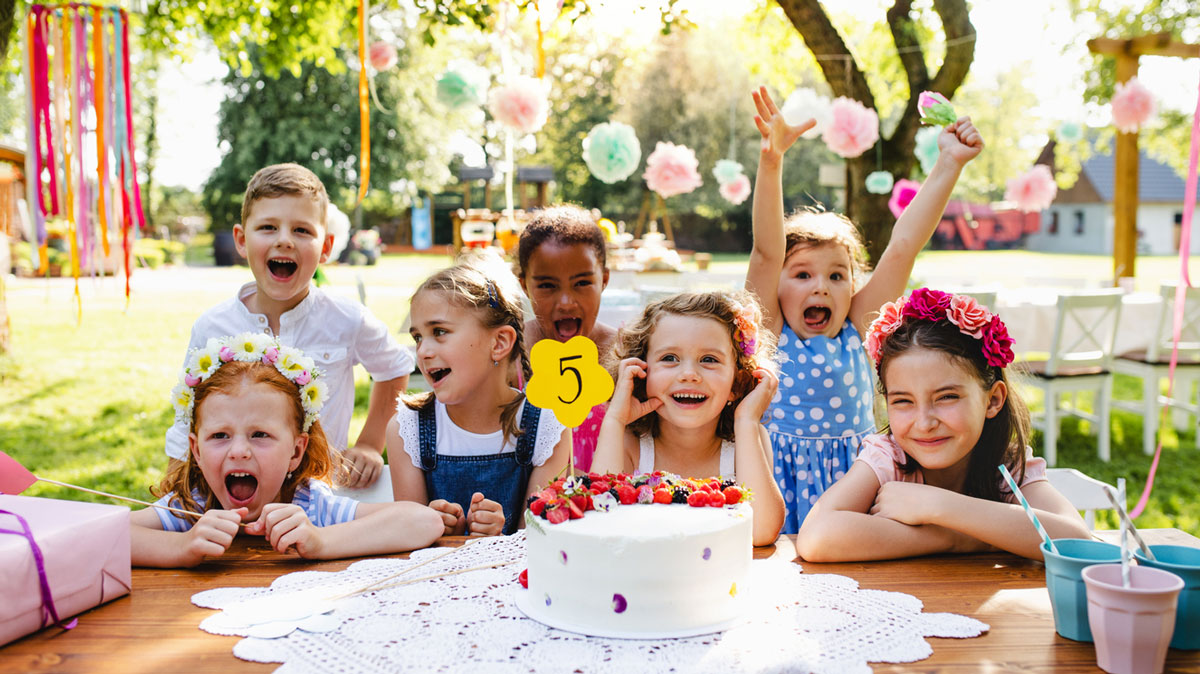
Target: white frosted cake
640, 569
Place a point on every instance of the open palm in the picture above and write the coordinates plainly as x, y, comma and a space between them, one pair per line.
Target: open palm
777, 134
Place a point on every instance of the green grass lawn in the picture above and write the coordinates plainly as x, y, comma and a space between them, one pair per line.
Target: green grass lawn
87, 402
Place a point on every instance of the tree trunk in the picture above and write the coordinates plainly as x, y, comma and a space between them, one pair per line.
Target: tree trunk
845, 78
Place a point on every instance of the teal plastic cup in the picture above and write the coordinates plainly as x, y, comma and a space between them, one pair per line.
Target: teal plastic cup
1185, 563
1064, 582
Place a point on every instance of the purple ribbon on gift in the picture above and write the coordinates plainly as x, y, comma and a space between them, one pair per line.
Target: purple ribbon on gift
48, 611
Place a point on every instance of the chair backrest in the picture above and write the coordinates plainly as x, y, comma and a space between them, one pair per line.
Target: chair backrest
1085, 493
986, 298
1189, 336
1085, 330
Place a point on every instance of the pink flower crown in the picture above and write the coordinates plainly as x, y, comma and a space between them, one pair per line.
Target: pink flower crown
250, 347
745, 332
963, 311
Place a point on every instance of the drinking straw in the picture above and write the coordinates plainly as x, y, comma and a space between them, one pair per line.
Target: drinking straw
1120, 508
1124, 536
1012, 484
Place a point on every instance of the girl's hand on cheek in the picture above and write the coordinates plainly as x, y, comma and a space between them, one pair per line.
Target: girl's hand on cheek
625, 406
755, 404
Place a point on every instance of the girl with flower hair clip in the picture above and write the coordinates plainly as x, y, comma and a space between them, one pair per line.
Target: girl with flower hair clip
694, 375
931, 483
808, 270
258, 456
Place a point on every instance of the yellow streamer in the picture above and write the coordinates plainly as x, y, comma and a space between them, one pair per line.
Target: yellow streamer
364, 106
65, 25
101, 149
541, 49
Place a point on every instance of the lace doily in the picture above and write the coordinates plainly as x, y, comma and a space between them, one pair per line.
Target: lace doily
469, 623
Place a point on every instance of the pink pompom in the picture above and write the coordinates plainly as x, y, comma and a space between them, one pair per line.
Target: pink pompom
521, 105
1033, 190
854, 128
1132, 106
737, 190
671, 170
191, 380
382, 56
902, 195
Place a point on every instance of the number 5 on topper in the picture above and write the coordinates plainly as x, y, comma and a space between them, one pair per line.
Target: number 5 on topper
568, 379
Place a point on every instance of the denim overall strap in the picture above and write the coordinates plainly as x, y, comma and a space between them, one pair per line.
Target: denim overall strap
427, 436
530, 416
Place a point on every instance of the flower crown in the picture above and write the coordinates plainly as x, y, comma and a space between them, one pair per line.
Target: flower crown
745, 332
250, 347
963, 311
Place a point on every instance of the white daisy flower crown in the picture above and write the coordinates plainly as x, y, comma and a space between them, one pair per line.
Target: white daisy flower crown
250, 347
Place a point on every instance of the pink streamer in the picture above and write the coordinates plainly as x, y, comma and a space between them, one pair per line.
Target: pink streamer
1185, 246
41, 102
137, 190
81, 85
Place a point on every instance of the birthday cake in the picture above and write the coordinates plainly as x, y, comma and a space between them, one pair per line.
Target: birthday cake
662, 559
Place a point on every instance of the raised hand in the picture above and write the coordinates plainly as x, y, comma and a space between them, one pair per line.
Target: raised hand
364, 464
960, 141
486, 518
777, 134
212, 535
625, 407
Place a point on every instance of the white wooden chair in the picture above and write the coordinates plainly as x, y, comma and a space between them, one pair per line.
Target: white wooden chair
985, 297
1081, 355
380, 492
1084, 492
1152, 365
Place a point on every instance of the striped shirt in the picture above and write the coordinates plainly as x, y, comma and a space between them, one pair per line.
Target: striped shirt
316, 499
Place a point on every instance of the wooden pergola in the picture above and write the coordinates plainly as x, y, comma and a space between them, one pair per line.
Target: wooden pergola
1125, 191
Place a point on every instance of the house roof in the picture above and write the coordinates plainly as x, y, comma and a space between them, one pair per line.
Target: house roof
1157, 182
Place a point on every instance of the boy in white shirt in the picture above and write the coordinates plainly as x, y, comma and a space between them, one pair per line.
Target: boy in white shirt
283, 236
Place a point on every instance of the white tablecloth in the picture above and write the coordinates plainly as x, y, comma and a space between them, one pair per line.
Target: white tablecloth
1030, 315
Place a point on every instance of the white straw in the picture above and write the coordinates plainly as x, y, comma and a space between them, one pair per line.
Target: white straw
1120, 508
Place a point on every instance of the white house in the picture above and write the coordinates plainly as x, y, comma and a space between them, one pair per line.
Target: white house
1081, 218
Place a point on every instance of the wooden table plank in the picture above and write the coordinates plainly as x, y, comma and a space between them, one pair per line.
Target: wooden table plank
154, 630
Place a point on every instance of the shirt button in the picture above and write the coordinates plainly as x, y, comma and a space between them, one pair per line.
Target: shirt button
262, 319
326, 356
267, 331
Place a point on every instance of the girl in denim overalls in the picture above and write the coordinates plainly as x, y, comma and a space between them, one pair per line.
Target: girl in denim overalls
476, 448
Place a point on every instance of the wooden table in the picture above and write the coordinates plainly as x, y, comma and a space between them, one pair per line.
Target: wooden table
154, 630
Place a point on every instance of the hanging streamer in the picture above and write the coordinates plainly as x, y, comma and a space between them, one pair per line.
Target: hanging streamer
80, 101
1185, 282
364, 107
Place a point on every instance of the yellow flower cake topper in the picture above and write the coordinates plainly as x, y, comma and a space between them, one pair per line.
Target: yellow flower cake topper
568, 379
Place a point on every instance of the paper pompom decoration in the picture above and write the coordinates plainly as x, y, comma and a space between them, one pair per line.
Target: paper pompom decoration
671, 170
1069, 132
879, 182
463, 84
612, 151
382, 56
1132, 106
522, 104
1033, 190
735, 191
804, 104
902, 195
935, 109
852, 130
726, 170
927, 150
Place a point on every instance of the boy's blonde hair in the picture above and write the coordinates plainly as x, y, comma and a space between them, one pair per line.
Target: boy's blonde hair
481, 282
319, 461
811, 227
723, 306
281, 180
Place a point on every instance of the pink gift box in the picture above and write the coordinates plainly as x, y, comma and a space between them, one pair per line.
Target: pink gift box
85, 556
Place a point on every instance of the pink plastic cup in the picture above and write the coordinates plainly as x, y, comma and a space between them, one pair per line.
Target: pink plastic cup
1132, 626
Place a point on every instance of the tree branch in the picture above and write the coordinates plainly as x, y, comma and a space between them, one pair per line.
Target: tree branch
837, 64
904, 34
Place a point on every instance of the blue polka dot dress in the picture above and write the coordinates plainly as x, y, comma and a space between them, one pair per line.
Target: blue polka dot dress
819, 416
